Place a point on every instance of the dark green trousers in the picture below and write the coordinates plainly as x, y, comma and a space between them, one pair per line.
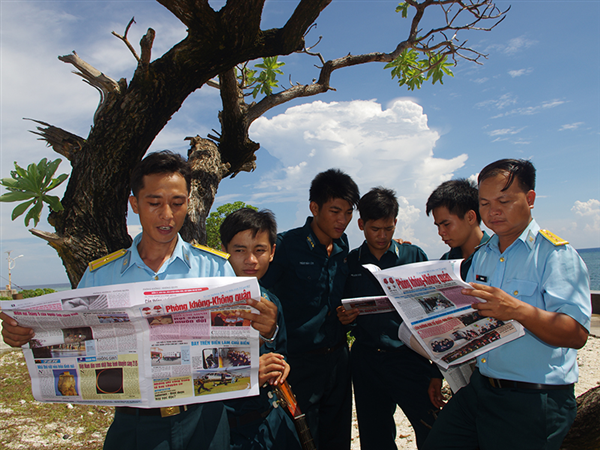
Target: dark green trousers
383, 380
201, 427
480, 416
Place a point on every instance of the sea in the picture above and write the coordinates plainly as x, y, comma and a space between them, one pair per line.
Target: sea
591, 256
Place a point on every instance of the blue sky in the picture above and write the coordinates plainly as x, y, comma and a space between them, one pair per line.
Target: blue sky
537, 96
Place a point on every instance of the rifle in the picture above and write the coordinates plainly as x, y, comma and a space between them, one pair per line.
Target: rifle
287, 399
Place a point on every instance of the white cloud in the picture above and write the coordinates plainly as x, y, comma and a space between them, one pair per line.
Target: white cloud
531, 110
391, 147
501, 102
588, 221
513, 46
570, 126
520, 72
505, 131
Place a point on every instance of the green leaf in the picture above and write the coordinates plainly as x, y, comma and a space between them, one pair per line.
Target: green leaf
33, 185
15, 196
20, 209
34, 213
403, 8
9, 183
57, 181
53, 201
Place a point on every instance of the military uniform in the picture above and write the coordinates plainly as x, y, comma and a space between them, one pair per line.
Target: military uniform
456, 253
535, 408
200, 426
255, 424
379, 358
309, 284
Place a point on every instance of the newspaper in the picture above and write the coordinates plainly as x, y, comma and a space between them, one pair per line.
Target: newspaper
368, 305
148, 344
428, 297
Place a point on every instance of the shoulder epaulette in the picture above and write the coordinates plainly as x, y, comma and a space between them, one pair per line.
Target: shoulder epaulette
212, 250
106, 259
554, 239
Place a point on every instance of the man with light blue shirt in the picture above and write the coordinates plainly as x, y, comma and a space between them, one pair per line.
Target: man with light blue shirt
521, 395
160, 184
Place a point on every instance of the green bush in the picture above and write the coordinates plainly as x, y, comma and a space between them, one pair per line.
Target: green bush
28, 293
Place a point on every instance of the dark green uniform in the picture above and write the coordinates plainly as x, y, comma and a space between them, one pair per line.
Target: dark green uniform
254, 423
309, 283
456, 253
385, 373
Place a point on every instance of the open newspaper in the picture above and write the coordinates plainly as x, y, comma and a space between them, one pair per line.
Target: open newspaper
148, 344
428, 297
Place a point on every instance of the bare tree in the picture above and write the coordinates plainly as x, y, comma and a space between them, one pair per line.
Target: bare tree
130, 115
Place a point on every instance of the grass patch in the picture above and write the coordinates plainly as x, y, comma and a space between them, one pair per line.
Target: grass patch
27, 424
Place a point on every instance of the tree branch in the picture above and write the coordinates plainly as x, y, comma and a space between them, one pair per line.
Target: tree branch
61, 141
126, 41
146, 45
105, 85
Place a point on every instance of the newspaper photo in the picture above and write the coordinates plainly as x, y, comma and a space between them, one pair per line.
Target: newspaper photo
428, 297
368, 305
148, 344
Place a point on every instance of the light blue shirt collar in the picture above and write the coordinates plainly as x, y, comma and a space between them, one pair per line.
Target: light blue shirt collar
133, 258
528, 237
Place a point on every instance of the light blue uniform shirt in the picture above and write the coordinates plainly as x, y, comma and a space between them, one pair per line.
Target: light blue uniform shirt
185, 262
547, 276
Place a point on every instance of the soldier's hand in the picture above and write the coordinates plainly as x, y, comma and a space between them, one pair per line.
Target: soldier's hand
265, 322
13, 334
435, 393
346, 316
272, 368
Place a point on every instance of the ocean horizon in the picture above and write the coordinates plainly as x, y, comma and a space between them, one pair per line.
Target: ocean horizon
591, 257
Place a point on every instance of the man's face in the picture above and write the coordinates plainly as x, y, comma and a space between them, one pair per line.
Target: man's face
453, 230
332, 218
250, 255
507, 213
378, 233
162, 206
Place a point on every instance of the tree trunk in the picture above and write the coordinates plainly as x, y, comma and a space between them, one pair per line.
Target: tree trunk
585, 431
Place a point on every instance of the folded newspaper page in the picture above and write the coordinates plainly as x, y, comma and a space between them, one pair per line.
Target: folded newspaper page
428, 297
148, 344
368, 305
457, 376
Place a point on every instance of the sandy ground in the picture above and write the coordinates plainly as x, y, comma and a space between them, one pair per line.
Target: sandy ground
589, 376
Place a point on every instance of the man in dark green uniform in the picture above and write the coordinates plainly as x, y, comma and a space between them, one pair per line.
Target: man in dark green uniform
454, 205
455, 208
308, 274
249, 236
378, 358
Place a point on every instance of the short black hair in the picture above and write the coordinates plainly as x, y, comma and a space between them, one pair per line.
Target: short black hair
332, 184
378, 203
160, 162
459, 196
248, 219
521, 169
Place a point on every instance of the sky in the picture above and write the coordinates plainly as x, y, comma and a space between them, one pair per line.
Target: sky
536, 96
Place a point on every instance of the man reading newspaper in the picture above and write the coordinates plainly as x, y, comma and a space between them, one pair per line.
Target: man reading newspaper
521, 396
160, 184
377, 353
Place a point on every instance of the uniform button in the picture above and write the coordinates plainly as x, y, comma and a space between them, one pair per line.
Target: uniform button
156, 277
501, 259
483, 360
516, 293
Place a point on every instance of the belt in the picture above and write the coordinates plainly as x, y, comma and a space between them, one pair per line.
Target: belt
252, 416
327, 350
162, 412
507, 384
